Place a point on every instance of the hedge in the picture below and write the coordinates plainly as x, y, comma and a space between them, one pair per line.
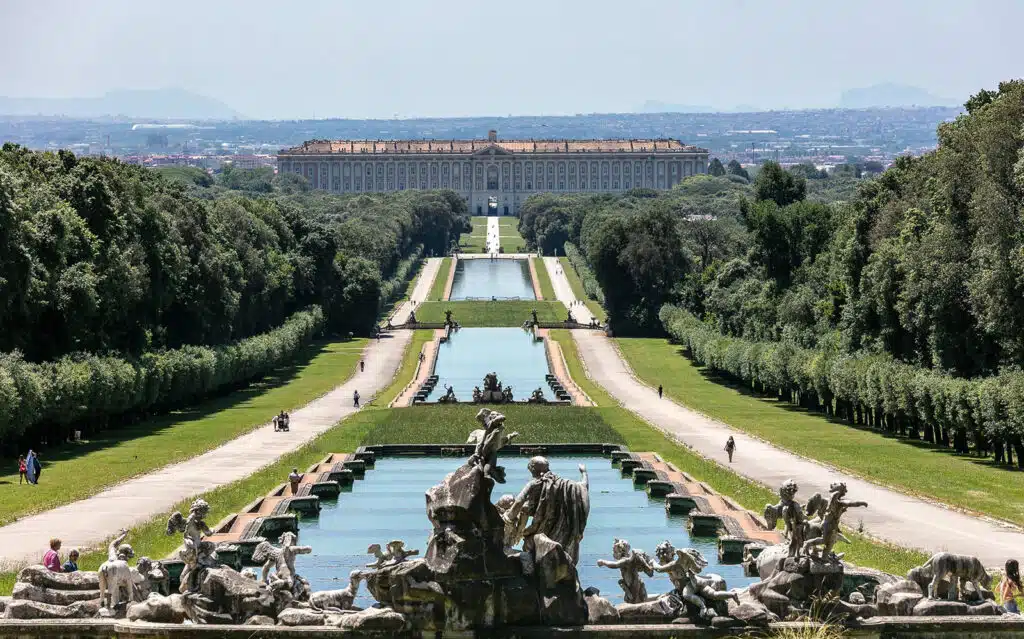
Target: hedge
392, 289
49, 400
590, 285
867, 389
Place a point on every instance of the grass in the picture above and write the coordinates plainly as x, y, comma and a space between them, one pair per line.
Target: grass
911, 467
577, 290
546, 290
440, 281
76, 471
476, 240
484, 313
508, 235
641, 436
408, 369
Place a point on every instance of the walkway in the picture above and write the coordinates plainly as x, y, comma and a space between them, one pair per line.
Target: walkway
88, 522
564, 293
891, 515
419, 292
493, 235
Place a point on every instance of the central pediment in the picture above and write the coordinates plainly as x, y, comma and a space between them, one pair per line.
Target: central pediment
491, 149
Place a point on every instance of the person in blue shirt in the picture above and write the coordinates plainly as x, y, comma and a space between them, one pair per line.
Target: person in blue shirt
71, 565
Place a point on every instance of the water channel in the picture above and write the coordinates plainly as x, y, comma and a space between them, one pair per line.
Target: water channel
389, 504
498, 278
471, 353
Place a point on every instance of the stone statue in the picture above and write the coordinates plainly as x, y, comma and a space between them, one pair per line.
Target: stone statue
477, 395
491, 382
448, 397
448, 317
537, 397
960, 569
506, 395
791, 514
150, 576
569, 317
115, 577
557, 507
339, 599
630, 563
535, 321
513, 530
492, 440
830, 524
282, 560
197, 553
396, 554
683, 568
412, 318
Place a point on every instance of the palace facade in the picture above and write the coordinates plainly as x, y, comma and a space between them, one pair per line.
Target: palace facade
494, 176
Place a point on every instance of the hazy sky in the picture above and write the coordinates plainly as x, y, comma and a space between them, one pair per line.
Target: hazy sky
378, 58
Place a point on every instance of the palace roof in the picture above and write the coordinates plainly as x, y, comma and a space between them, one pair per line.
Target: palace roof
357, 147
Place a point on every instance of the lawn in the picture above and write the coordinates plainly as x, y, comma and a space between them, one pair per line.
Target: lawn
641, 436
408, 369
543, 278
509, 237
577, 290
80, 470
911, 467
476, 240
484, 313
440, 280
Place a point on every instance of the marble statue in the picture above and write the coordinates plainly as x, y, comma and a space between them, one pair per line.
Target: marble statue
491, 382
791, 514
537, 397
830, 524
396, 554
282, 561
412, 317
150, 576
683, 568
478, 396
339, 599
630, 563
116, 584
535, 321
449, 396
488, 443
556, 507
197, 553
958, 569
570, 318
506, 395
448, 317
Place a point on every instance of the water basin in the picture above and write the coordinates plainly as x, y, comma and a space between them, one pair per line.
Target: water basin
485, 278
471, 353
390, 504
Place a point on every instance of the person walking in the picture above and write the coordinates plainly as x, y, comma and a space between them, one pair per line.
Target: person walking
355, 399
22, 469
51, 559
362, 366
294, 478
71, 565
660, 391
1010, 587
730, 447
31, 472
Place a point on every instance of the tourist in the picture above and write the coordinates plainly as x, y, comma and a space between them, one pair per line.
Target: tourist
355, 399
660, 391
22, 468
362, 366
1010, 587
294, 478
277, 423
32, 467
730, 447
51, 559
71, 565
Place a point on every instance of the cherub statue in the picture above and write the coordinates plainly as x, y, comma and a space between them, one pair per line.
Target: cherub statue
490, 442
630, 564
197, 553
683, 568
149, 576
830, 523
790, 512
115, 577
282, 560
396, 554
506, 395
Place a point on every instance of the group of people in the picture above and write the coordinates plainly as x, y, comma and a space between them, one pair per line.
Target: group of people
29, 468
52, 558
282, 421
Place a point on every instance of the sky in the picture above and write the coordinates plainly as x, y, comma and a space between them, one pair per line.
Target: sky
274, 59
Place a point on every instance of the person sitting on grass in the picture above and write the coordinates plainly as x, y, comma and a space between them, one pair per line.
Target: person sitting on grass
51, 559
71, 565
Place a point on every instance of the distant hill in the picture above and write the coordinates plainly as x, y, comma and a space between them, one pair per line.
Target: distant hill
890, 95
157, 103
655, 106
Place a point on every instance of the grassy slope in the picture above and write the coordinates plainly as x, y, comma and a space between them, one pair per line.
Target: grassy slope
640, 436
546, 290
408, 369
508, 235
577, 289
475, 241
484, 313
440, 281
911, 467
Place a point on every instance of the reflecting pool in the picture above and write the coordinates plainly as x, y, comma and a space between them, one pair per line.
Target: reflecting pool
389, 504
483, 279
471, 353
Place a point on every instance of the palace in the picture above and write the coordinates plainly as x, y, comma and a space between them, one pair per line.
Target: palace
494, 176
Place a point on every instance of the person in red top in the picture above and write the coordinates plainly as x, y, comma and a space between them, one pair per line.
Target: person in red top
22, 469
51, 559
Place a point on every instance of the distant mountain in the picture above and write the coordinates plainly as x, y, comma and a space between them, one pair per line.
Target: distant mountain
890, 95
157, 103
655, 106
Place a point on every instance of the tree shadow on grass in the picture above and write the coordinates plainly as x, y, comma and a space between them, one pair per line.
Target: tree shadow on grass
919, 444
114, 436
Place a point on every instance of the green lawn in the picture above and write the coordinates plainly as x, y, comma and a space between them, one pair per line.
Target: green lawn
546, 290
484, 313
440, 281
408, 369
476, 240
77, 471
509, 237
641, 436
577, 290
911, 467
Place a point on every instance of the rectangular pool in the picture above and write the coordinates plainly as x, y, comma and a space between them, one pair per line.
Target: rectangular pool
390, 504
484, 279
471, 353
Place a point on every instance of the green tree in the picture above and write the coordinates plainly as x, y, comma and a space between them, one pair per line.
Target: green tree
715, 167
735, 168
